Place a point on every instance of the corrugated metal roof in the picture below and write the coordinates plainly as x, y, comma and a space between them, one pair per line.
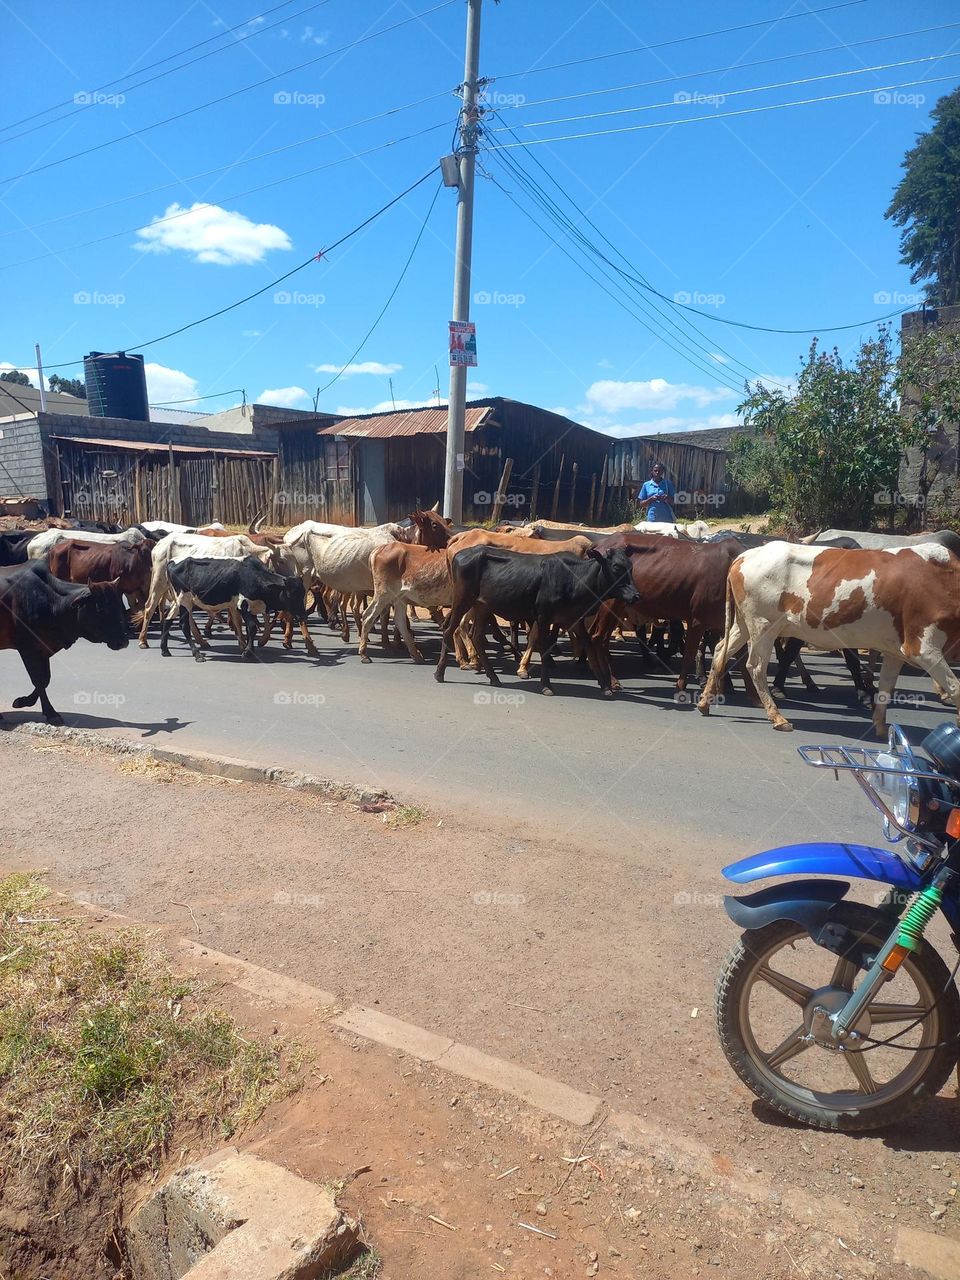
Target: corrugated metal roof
405, 422
142, 446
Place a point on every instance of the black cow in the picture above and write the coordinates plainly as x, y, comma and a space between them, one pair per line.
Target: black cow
91, 526
40, 615
244, 587
551, 591
13, 546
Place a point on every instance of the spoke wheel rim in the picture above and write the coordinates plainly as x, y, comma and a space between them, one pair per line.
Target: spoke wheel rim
853, 1099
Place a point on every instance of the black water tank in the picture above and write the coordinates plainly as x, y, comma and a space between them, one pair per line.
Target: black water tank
116, 385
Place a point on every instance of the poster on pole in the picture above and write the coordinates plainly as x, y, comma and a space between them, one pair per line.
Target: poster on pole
463, 343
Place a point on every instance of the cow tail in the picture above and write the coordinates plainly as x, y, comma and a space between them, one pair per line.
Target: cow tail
729, 609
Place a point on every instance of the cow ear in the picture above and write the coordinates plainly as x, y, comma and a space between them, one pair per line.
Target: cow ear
594, 554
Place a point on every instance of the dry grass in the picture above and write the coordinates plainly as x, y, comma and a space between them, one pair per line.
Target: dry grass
104, 1050
405, 815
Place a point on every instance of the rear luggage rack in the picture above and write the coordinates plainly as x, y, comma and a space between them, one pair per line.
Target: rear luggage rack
860, 760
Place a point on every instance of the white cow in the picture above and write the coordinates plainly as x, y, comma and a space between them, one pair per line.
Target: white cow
177, 546
342, 562
162, 527
39, 547
697, 530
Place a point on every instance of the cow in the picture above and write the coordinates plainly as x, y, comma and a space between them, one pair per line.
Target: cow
76, 561
676, 581
245, 586
13, 546
40, 615
176, 546
341, 562
160, 528
553, 590
903, 602
885, 541
41, 544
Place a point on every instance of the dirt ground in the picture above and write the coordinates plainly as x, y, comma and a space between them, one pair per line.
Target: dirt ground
530, 948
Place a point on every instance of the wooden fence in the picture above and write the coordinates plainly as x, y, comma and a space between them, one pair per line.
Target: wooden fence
699, 475
96, 482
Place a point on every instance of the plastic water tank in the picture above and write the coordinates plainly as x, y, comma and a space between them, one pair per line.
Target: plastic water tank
116, 385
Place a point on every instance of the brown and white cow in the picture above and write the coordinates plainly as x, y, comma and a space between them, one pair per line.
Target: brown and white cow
905, 603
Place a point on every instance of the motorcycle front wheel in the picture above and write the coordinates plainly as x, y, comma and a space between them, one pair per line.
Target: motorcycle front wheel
768, 993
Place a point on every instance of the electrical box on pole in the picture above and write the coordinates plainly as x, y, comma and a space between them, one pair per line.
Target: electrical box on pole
467, 157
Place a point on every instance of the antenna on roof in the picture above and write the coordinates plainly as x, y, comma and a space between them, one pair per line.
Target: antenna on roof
436, 390
392, 396
316, 400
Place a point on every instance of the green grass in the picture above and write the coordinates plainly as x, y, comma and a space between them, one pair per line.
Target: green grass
104, 1051
407, 815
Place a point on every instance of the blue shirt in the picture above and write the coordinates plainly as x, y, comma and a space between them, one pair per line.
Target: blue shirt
658, 510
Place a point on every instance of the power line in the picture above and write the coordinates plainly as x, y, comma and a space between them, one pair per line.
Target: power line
640, 281
94, 93
726, 115
392, 295
234, 164
317, 257
226, 97
692, 353
150, 66
721, 70
567, 224
185, 213
735, 93
214, 395
665, 44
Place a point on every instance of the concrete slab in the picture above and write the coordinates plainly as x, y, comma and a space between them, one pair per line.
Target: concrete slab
394, 1033
234, 1216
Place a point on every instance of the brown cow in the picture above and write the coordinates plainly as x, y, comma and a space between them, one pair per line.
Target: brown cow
84, 562
678, 581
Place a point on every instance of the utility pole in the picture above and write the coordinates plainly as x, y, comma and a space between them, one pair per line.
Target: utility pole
467, 154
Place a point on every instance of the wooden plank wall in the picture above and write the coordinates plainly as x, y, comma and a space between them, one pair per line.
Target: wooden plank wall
200, 488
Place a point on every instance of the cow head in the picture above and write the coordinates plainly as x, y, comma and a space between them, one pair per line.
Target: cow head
293, 598
616, 575
101, 617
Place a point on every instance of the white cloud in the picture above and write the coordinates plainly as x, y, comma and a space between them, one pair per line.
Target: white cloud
672, 424
286, 397
363, 366
610, 396
311, 36
477, 389
5, 367
211, 234
165, 384
388, 406
720, 359
604, 363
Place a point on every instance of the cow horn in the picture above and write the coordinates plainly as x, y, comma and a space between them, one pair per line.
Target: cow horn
436, 506
257, 521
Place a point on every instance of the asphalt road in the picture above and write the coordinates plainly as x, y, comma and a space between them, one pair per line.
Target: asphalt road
640, 766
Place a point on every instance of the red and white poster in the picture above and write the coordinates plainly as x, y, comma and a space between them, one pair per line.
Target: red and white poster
463, 342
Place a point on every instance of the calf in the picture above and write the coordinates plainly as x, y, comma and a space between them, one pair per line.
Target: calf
905, 603
40, 615
553, 590
243, 586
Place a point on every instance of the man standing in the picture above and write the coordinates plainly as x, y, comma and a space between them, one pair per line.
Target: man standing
656, 496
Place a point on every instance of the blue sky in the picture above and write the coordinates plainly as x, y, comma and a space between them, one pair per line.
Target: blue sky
774, 217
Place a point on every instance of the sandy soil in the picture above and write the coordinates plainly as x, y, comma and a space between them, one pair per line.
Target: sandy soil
527, 947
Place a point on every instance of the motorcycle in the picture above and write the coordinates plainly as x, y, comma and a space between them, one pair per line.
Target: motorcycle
863, 1040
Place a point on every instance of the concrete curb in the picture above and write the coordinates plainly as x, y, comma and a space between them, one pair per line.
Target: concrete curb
204, 762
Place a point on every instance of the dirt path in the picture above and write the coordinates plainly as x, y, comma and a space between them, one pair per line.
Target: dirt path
533, 950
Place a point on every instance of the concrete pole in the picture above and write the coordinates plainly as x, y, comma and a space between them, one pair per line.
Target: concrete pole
456, 410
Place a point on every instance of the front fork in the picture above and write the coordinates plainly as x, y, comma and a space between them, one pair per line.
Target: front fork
905, 939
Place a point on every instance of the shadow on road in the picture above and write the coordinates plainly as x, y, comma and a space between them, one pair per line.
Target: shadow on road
151, 729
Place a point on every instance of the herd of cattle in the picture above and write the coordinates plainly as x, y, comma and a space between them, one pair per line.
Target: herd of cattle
898, 597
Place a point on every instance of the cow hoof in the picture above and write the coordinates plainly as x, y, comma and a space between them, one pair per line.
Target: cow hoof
198, 657
438, 676
522, 675
547, 693
607, 693
783, 726
164, 653
703, 707
364, 658
144, 645
418, 658
776, 694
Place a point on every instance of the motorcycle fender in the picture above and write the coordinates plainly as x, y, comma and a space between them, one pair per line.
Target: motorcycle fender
858, 861
809, 903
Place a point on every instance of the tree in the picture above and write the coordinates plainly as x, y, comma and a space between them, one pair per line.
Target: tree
926, 205
68, 386
830, 451
930, 394
16, 377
